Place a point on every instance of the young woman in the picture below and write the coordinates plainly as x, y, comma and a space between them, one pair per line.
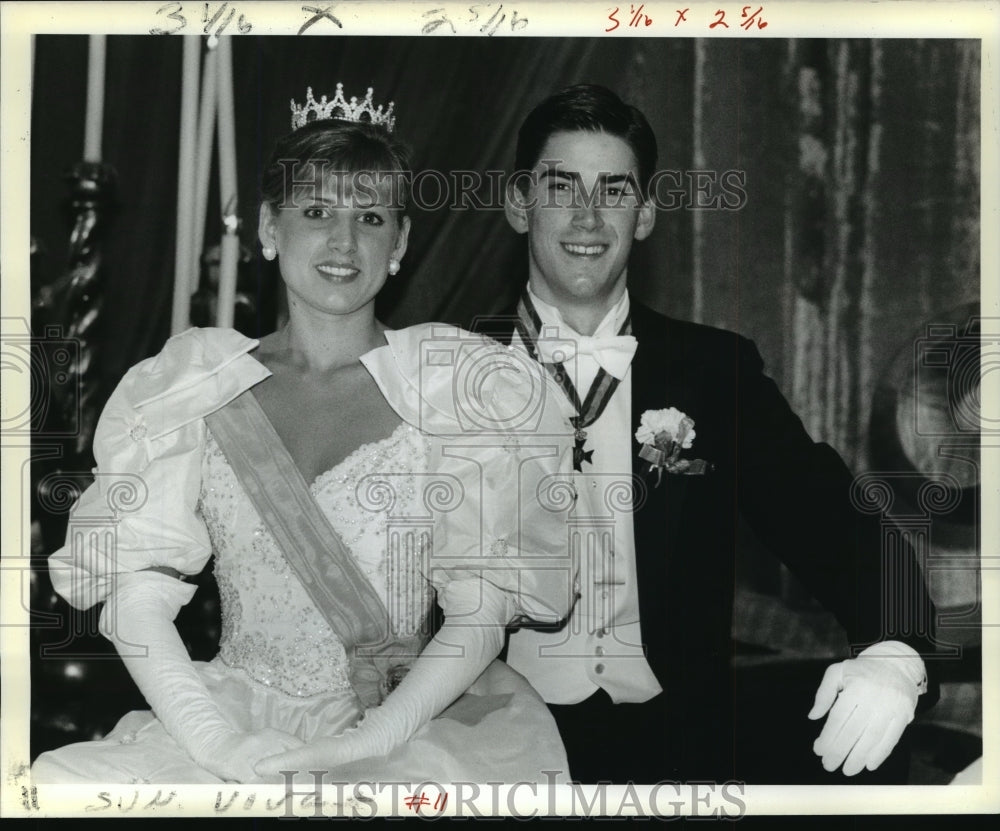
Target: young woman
342, 475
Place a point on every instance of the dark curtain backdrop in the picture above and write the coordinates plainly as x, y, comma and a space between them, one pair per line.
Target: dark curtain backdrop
861, 163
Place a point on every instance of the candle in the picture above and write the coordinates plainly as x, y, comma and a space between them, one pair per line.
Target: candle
227, 125
184, 263
203, 158
95, 99
229, 257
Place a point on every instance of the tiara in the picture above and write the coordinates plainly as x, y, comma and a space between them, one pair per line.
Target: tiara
341, 109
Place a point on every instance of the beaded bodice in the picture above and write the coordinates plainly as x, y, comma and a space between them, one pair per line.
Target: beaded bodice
270, 627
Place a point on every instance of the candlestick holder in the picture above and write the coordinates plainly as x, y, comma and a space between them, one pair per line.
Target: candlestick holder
71, 306
92, 201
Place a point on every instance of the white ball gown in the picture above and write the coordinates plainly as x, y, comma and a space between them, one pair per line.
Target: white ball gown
410, 510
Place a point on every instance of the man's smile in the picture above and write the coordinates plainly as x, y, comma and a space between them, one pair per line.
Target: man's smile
578, 250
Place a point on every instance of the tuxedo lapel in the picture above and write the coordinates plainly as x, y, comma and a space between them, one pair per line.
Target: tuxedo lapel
658, 516
656, 381
648, 381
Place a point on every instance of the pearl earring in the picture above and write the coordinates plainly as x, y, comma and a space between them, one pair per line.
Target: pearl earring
269, 252
394, 266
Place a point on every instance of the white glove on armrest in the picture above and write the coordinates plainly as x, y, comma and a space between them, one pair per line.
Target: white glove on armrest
468, 640
138, 619
870, 699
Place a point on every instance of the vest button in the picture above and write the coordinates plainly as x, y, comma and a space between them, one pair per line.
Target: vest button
599, 669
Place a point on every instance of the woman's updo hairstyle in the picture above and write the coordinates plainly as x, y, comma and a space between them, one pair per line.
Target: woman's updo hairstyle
344, 148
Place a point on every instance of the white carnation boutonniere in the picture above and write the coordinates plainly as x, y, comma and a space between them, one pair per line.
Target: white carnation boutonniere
663, 434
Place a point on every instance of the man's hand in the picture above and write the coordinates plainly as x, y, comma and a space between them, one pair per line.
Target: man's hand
870, 700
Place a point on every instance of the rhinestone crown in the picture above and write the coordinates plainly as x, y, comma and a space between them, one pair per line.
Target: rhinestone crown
340, 108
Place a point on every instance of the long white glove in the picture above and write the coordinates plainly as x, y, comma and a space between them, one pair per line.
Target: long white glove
871, 699
476, 613
138, 619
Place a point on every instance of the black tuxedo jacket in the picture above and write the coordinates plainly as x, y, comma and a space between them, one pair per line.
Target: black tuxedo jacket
793, 492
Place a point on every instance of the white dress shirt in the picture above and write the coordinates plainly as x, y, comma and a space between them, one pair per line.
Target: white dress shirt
601, 646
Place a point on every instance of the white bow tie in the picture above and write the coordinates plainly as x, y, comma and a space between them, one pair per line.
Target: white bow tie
613, 353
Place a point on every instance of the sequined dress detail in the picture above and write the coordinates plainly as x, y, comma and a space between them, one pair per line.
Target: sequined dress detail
271, 630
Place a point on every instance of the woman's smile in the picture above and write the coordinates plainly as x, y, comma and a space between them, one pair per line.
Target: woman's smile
337, 272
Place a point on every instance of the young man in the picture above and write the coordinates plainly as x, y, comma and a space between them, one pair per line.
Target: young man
640, 679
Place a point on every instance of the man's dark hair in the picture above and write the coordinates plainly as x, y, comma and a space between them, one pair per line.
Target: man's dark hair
591, 108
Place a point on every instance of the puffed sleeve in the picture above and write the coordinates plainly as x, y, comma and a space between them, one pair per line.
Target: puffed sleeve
501, 467
141, 510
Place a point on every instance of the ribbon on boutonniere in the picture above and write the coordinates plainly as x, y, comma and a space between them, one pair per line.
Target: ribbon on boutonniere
663, 434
